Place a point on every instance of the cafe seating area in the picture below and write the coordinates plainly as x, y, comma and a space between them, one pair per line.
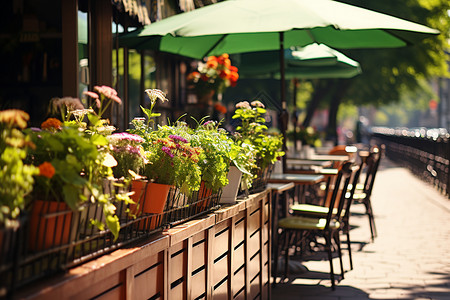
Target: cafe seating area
313, 218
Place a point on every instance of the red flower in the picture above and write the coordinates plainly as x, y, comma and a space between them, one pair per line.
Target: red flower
220, 108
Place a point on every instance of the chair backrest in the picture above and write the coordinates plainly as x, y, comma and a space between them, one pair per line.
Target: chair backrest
337, 192
373, 162
354, 181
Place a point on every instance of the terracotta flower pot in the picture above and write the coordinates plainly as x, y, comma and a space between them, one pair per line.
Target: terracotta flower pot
203, 196
149, 197
50, 224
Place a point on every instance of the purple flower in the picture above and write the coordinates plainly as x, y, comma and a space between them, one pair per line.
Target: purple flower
178, 138
167, 151
124, 136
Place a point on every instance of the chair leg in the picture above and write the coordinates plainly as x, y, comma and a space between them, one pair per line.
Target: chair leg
338, 244
349, 248
286, 254
330, 258
369, 212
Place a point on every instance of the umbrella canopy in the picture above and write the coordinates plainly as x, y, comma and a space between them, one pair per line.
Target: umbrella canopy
310, 62
237, 26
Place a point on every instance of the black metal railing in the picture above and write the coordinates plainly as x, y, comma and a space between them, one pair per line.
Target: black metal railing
426, 152
52, 238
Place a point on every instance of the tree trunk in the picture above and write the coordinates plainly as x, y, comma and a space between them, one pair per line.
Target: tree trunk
320, 92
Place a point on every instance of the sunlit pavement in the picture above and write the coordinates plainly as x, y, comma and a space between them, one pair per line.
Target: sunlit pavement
410, 258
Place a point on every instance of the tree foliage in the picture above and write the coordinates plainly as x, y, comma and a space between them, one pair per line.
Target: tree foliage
388, 73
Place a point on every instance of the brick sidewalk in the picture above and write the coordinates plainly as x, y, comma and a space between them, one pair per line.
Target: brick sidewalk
410, 258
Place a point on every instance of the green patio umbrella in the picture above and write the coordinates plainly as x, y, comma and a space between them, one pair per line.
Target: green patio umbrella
310, 62
237, 26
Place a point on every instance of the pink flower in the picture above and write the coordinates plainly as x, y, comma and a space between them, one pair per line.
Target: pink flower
108, 92
91, 94
258, 103
127, 136
178, 138
243, 104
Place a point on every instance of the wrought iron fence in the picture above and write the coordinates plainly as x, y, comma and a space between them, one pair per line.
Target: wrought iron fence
426, 152
51, 238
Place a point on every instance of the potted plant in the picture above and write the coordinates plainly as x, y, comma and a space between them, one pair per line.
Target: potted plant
127, 151
253, 131
73, 166
212, 77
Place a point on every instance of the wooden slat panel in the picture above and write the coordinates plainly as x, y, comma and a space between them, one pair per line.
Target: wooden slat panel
148, 262
109, 283
239, 281
115, 293
254, 266
254, 222
239, 233
265, 233
220, 270
254, 244
265, 266
198, 284
266, 212
239, 257
221, 242
149, 283
240, 296
177, 263
221, 292
178, 292
198, 255
255, 288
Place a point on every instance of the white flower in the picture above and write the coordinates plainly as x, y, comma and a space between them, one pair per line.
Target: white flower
155, 94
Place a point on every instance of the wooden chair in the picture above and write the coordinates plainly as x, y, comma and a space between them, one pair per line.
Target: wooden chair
328, 227
320, 211
363, 191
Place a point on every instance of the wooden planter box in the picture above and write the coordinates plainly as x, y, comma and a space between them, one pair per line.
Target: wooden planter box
223, 255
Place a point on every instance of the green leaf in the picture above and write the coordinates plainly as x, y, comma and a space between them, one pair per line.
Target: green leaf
71, 196
113, 224
99, 140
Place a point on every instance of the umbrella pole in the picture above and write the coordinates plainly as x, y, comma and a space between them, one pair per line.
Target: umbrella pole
283, 113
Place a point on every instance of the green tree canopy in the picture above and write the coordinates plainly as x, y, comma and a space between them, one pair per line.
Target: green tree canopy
387, 73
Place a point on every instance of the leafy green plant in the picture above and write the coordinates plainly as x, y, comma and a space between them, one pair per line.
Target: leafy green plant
16, 177
142, 127
73, 167
253, 131
215, 161
173, 160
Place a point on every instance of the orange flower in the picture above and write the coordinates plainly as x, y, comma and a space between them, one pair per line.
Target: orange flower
234, 76
224, 74
233, 69
51, 124
220, 108
46, 169
212, 64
